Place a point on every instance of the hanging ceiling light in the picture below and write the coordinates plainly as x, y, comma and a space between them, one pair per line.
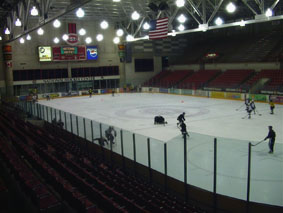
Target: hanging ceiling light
218, 21
119, 32
242, 23
7, 31
88, 40
56, 40
104, 25
80, 13
40, 31
22, 40
231, 7
28, 37
268, 13
34, 11
116, 0
82, 31
18, 22
116, 40
146, 26
182, 18
181, 27
135, 15
180, 3
99, 37
56, 23
65, 37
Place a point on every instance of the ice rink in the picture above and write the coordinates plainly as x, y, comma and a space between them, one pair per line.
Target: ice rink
206, 119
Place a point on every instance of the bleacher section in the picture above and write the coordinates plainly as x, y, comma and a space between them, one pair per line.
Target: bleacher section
75, 174
230, 79
198, 79
168, 79
274, 83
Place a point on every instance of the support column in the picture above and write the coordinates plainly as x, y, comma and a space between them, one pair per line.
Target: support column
8, 70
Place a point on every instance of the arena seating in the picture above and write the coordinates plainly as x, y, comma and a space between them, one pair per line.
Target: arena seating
80, 177
274, 83
230, 79
198, 79
156, 79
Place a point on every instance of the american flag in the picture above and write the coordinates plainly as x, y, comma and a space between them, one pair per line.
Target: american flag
159, 28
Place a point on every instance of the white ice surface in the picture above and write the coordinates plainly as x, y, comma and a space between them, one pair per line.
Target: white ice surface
215, 117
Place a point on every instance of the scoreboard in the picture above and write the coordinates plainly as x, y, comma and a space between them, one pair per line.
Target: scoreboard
69, 53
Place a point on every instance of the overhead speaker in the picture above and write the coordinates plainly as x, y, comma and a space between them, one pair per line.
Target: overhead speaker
153, 7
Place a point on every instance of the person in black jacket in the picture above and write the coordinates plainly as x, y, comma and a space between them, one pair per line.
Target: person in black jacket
181, 119
271, 135
184, 130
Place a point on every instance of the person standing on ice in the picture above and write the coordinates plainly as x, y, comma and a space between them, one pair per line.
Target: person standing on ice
184, 130
181, 119
252, 104
271, 135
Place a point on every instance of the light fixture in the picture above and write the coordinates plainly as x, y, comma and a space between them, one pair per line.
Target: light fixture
203, 27
116, 40
119, 32
65, 37
231, 7
104, 24
22, 40
218, 21
146, 26
173, 33
181, 27
88, 40
80, 13
268, 13
242, 23
56, 40
130, 38
82, 31
116, 0
0, 38
40, 31
182, 18
7, 31
99, 37
56, 23
18, 22
28, 37
34, 11
180, 3
135, 15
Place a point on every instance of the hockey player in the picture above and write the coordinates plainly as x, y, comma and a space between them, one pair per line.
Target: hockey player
111, 134
113, 92
252, 104
271, 135
184, 130
101, 141
249, 110
272, 106
90, 92
181, 119
159, 120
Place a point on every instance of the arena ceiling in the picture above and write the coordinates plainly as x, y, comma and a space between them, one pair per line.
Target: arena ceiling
198, 12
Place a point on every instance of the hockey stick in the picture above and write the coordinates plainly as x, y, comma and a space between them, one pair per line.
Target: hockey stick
257, 143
